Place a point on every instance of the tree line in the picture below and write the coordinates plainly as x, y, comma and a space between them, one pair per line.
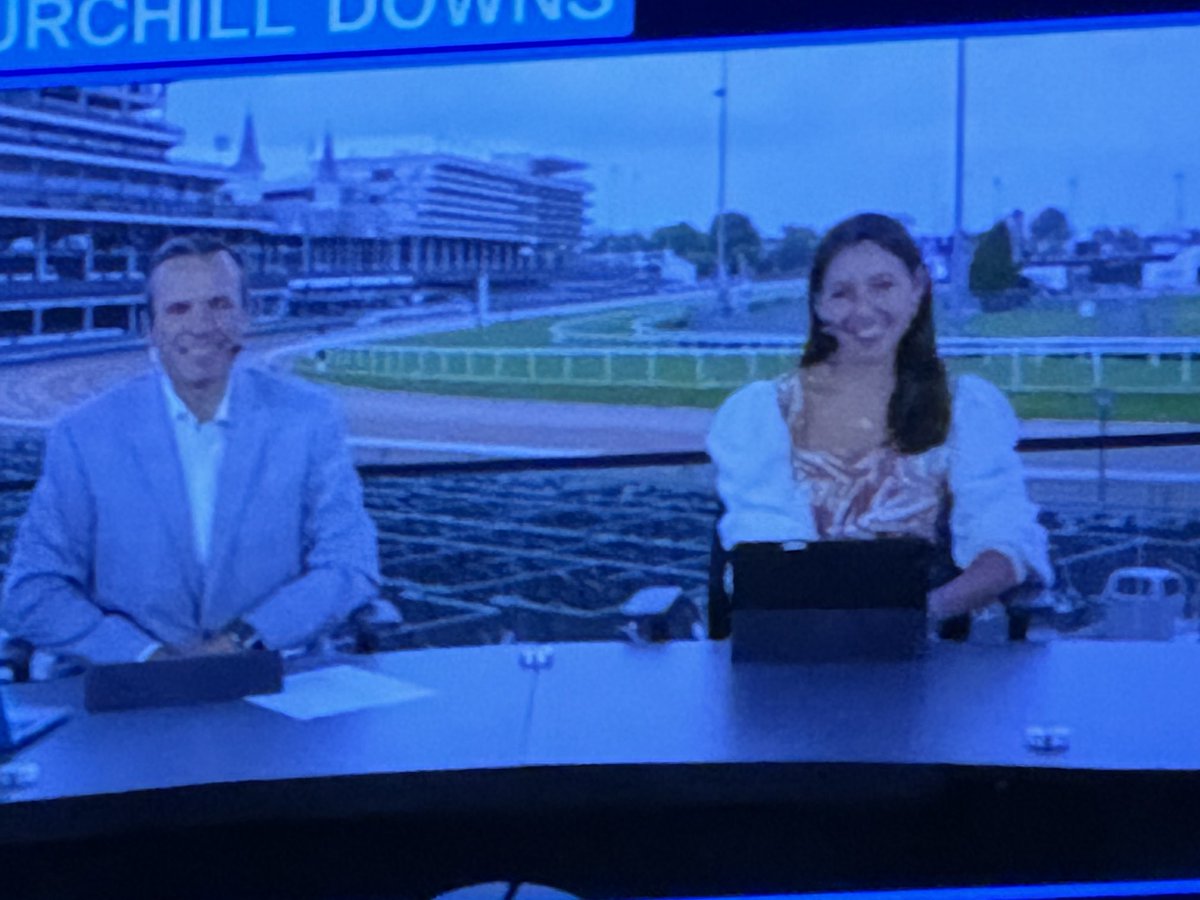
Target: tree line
747, 253
995, 267
995, 273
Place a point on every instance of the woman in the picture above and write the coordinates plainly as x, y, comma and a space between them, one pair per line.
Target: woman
868, 438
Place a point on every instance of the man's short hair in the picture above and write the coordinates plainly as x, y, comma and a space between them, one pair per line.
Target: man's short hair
192, 245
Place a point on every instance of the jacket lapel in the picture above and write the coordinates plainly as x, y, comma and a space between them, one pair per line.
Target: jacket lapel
156, 456
240, 466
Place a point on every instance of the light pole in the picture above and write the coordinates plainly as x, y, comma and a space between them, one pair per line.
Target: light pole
1180, 205
1104, 403
1073, 199
959, 262
722, 132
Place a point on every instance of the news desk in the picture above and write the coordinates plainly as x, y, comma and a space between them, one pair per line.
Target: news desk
626, 770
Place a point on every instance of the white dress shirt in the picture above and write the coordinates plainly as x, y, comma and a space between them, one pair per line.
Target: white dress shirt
201, 447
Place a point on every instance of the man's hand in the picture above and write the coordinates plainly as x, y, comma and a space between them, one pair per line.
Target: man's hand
217, 645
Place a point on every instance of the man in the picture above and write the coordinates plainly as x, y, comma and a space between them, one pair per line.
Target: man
200, 508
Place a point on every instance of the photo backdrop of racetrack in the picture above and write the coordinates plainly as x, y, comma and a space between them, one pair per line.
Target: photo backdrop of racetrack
578, 258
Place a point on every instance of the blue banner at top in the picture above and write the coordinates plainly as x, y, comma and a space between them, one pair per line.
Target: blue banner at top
61, 36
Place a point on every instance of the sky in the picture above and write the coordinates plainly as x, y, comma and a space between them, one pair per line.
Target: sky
1102, 124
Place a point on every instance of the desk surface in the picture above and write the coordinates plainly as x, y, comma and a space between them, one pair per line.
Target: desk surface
630, 747
474, 718
1132, 706
1127, 706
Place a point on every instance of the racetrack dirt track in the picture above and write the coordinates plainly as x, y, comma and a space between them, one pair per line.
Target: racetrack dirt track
400, 427
417, 425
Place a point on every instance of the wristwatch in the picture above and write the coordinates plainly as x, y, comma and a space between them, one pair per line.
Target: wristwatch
245, 635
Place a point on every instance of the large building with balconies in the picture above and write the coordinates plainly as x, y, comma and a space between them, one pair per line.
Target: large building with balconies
86, 191
434, 215
88, 188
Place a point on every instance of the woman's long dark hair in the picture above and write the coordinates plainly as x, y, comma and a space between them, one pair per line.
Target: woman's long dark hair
919, 409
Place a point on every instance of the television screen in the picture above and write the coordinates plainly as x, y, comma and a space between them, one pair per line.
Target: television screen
530, 281
541, 275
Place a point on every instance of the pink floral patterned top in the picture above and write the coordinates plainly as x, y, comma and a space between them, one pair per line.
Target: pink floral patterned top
881, 492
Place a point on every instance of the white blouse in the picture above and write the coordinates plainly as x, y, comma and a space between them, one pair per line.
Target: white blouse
751, 447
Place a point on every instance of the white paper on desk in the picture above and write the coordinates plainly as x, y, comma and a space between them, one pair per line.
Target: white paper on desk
337, 690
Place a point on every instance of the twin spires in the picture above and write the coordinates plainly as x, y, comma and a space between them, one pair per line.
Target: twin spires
249, 162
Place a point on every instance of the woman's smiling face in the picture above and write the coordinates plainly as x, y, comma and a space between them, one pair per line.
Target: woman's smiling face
867, 300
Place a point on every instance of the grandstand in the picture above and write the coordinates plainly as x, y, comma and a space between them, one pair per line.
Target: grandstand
88, 190
90, 187
432, 214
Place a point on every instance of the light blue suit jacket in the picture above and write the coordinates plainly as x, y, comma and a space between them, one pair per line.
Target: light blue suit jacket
105, 563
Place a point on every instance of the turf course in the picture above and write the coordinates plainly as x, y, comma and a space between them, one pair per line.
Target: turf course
521, 360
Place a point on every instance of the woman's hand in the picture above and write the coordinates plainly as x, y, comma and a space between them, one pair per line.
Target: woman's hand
980, 583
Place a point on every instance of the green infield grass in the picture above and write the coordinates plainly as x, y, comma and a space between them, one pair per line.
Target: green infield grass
1169, 316
1146, 388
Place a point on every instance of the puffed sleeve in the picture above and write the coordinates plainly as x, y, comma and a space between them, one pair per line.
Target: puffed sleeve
991, 508
749, 445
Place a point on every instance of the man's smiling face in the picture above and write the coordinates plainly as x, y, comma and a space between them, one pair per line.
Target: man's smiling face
199, 320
